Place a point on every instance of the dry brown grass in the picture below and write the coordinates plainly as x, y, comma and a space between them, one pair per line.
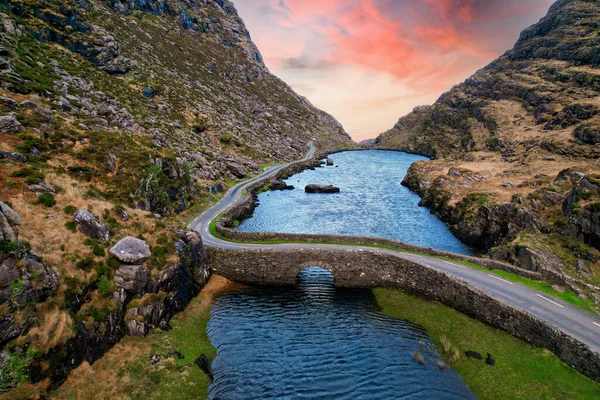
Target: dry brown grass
104, 381
451, 353
55, 329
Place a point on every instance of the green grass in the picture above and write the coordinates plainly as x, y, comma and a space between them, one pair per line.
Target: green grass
544, 287
521, 371
189, 337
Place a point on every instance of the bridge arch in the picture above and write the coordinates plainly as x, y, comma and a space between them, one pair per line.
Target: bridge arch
318, 264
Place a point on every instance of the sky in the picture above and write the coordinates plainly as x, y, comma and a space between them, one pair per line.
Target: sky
369, 62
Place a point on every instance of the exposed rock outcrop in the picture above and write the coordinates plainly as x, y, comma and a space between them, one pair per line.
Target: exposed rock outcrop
9, 124
90, 226
132, 278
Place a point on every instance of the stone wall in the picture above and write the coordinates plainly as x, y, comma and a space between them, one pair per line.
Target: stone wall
369, 269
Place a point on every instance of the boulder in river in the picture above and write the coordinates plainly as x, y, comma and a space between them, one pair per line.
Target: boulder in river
281, 185
329, 161
312, 188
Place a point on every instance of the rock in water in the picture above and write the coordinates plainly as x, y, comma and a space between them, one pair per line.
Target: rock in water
281, 185
205, 365
490, 360
312, 188
130, 250
474, 354
329, 161
90, 226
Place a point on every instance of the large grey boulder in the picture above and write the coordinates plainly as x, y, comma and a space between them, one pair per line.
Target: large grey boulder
10, 214
132, 278
7, 231
13, 156
9, 124
130, 250
90, 226
329, 161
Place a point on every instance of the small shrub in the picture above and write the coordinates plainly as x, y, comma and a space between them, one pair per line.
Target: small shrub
70, 210
98, 250
100, 315
17, 288
15, 369
162, 239
46, 199
104, 285
72, 226
17, 249
85, 263
35, 178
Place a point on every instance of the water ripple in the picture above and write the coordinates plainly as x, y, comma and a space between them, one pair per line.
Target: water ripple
317, 342
372, 202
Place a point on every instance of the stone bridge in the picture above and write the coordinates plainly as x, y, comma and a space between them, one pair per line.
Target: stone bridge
367, 268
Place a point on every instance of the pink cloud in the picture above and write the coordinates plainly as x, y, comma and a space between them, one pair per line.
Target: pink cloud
426, 46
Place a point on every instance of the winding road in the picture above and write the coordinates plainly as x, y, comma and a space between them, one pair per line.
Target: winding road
569, 319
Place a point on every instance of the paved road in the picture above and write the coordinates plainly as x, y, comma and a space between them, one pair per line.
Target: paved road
578, 323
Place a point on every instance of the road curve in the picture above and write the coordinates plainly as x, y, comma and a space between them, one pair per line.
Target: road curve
569, 319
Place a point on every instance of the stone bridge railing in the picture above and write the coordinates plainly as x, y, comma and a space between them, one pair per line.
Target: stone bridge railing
370, 269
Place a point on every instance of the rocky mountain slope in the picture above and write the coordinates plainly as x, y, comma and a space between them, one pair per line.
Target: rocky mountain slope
119, 120
515, 150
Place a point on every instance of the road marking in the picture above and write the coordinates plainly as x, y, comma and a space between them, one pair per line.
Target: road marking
500, 279
556, 304
595, 323
456, 265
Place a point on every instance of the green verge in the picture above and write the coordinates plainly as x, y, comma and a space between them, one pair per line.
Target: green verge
171, 378
544, 287
521, 371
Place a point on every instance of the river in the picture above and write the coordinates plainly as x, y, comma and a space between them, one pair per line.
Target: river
372, 202
315, 341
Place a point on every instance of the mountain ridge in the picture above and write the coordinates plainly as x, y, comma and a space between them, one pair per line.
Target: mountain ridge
119, 122
514, 148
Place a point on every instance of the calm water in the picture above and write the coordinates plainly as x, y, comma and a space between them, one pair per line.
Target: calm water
372, 202
314, 341
318, 342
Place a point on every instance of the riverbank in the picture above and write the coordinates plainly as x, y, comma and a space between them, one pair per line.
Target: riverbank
125, 372
521, 371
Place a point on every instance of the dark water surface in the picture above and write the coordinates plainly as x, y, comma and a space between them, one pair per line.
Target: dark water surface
372, 202
318, 342
314, 341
